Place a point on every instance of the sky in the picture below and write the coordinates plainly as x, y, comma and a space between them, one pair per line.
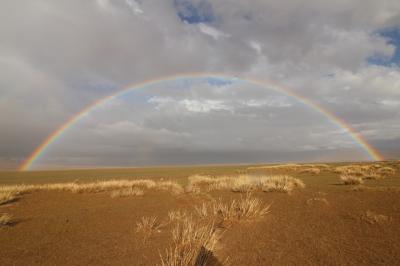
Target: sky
58, 57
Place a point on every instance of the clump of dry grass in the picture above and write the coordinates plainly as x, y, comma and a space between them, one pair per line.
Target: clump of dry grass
193, 244
133, 191
171, 186
386, 171
310, 170
280, 167
280, 183
371, 171
312, 201
246, 208
349, 179
97, 186
245, 183
177, 215
5, 219
148, 226
374, 218
6, 197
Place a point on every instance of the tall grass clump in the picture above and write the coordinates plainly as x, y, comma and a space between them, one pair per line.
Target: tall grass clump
349, 179
6, 197
245, 183
280, 183
5, 219
133, 191
192, 244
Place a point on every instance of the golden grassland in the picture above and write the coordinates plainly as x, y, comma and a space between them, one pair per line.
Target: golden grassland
196, 233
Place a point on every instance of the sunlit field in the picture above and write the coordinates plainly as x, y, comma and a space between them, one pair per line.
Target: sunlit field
203, 215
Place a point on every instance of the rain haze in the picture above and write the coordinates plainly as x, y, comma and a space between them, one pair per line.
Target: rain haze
59, 57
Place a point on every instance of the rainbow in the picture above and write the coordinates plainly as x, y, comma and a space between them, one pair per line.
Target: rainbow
357, 137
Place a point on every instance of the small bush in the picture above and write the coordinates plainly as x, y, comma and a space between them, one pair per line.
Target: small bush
127, 192
6, 197
351, 179
5, 219
193, 244
280, 183
148, 226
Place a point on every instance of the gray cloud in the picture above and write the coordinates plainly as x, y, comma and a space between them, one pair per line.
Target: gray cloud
58, 56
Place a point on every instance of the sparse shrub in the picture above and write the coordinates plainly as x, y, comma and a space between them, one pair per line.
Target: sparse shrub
386, 171
280, 183
127, 192
374, 218
312, 201
6, 197
169, 186
193, 244
349, 179
245, 183
310, 170
148, 226
5, 219
176, 215
246, 208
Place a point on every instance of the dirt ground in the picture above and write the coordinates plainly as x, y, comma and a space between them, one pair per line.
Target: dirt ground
324, 224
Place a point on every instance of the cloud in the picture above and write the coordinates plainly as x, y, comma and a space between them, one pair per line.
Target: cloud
56, 57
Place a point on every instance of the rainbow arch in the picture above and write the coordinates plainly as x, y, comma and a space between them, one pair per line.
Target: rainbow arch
357, 137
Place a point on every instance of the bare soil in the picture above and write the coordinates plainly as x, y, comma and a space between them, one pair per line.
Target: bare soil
323, 224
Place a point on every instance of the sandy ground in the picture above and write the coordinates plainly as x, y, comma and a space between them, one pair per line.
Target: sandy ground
323, 224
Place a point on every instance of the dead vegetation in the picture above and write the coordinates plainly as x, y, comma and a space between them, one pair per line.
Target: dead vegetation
349, 179
133, 191
374, 218
244, 183
371, 171
192, 244
7, 196
131, 186
281, 183
148, 226
5, 219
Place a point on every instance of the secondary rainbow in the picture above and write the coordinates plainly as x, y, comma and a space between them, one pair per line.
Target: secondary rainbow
41, 149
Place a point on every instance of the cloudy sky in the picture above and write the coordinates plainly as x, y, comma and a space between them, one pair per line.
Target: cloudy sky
57, 57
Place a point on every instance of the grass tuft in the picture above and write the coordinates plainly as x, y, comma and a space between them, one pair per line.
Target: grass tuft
5, 219
349, 179
127, 192
193, 244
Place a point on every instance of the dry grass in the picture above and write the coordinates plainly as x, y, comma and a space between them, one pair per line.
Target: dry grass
313, 201
281, 183
170, 186
374, 218
95, 187
133, 191
310, 170
5, 219
245, 183
148, 226
280, 167
246, 208
177, 215
193, 244
371, 171
6, 197
349, 179
386, 171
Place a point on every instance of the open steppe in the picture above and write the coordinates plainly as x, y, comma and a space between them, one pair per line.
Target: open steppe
292, 214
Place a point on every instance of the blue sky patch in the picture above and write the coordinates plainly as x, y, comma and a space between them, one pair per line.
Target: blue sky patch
194, 13
393, 37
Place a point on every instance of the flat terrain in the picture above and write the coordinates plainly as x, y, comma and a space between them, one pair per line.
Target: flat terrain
325, 223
